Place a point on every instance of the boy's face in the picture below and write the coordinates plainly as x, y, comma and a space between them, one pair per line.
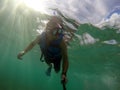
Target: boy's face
54, 30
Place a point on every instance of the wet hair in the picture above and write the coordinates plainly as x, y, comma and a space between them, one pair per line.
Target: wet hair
54, 21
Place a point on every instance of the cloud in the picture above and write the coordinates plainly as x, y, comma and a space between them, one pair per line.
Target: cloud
86, 39
112, 42
113, 21
84, 11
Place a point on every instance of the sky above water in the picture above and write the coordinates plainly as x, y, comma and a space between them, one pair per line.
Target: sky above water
84, 11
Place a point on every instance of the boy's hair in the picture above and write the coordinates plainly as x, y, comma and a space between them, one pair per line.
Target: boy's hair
54, 21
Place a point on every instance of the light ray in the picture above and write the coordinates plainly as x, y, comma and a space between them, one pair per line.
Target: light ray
37, 5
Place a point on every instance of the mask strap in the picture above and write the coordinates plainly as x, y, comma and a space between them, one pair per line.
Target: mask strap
59, 25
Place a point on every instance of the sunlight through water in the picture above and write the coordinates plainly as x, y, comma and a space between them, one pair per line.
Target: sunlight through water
37, 5
93, 47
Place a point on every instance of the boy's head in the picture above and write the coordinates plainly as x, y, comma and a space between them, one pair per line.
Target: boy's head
54, 22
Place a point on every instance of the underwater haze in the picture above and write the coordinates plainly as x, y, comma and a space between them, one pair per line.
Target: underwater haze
94, 52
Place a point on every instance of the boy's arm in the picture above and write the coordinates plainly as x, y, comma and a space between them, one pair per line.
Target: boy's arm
65, 63
28, 48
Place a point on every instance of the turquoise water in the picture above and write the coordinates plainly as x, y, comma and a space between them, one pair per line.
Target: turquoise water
92, 67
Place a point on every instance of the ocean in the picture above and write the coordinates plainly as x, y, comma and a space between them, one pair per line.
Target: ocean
93, 63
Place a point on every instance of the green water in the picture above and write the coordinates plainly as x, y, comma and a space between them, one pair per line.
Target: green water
92, 67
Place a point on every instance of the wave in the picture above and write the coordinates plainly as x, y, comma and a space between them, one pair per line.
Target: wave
89, 34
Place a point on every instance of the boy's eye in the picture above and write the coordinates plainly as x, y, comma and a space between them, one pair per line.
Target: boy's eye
54, 32
59, 31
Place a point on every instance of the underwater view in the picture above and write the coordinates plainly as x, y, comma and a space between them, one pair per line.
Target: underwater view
93, 50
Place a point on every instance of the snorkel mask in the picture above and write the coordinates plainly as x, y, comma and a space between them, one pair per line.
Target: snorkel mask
58, 30
54, 26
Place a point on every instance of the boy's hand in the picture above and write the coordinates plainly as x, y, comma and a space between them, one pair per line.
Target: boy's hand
63, 79
19, 56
